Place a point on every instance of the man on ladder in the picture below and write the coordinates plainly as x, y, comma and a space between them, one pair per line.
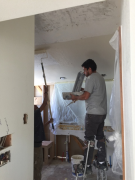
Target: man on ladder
96, 109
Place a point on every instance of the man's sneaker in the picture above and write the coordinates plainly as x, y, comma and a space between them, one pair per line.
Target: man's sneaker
102, 166
89, 170
81, 167
78, 168
83, 163
95, 164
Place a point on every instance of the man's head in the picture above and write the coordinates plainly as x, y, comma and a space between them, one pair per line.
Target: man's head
89, 67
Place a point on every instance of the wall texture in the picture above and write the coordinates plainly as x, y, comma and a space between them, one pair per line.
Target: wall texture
16, 95
128, 42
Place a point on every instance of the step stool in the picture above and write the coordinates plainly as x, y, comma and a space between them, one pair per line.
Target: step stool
46, 145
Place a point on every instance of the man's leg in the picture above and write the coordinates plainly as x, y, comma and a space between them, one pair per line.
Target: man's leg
101, 155
91, 126
38, 162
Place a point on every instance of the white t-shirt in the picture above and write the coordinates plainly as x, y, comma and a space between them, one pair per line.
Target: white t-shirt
97, 102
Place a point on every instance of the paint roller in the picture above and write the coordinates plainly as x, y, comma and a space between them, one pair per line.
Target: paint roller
46, 86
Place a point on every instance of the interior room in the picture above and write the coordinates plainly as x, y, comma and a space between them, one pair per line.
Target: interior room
46, 42
64, 39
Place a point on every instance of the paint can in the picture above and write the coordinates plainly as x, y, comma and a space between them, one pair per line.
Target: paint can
76, 159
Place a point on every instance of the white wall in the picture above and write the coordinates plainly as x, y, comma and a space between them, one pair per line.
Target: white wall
16, 9
128, 53
16, 95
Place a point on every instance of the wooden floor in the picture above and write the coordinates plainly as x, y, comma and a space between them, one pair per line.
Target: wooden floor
59, 170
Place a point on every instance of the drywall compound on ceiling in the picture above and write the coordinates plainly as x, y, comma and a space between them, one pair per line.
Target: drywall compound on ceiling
48, 62
75, 16
77, 22
46, 58
21, 8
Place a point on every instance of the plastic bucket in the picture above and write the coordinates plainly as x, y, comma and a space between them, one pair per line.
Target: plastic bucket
76, 159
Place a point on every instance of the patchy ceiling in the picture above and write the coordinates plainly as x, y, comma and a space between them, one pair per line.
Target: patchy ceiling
71, 36
78, 22
65, 59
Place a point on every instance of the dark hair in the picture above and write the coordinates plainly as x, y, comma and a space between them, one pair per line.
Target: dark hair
89, 63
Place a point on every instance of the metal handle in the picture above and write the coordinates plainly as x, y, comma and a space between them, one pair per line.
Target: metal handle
86, 159
43, 73
46, 85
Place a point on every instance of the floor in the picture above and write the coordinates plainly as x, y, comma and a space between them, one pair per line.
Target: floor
61, 170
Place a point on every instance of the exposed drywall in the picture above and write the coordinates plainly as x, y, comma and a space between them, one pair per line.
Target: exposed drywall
69, 56
128, 58
16, 95
77, 22
16, 9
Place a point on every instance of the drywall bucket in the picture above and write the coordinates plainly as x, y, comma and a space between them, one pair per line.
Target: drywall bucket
75, 159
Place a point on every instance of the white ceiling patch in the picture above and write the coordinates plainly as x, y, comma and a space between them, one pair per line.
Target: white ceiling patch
49, 63
46, 58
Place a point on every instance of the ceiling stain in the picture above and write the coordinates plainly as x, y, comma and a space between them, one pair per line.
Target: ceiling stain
76, 16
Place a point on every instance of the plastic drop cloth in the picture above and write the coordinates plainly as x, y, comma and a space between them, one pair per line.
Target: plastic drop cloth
115, 110
72, 114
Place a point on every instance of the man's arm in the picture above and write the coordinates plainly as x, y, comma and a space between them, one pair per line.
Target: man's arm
84, 96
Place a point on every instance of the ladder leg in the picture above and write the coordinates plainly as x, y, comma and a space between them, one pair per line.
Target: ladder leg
86, 159
101, 175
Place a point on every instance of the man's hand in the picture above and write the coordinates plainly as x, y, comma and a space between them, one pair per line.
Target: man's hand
46, 89
51, 120
45, 100
73, 97
82, 89
84, 96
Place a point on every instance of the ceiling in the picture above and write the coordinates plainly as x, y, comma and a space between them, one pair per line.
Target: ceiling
70, 36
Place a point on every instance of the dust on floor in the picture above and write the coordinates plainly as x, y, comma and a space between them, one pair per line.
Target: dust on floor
61, 170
